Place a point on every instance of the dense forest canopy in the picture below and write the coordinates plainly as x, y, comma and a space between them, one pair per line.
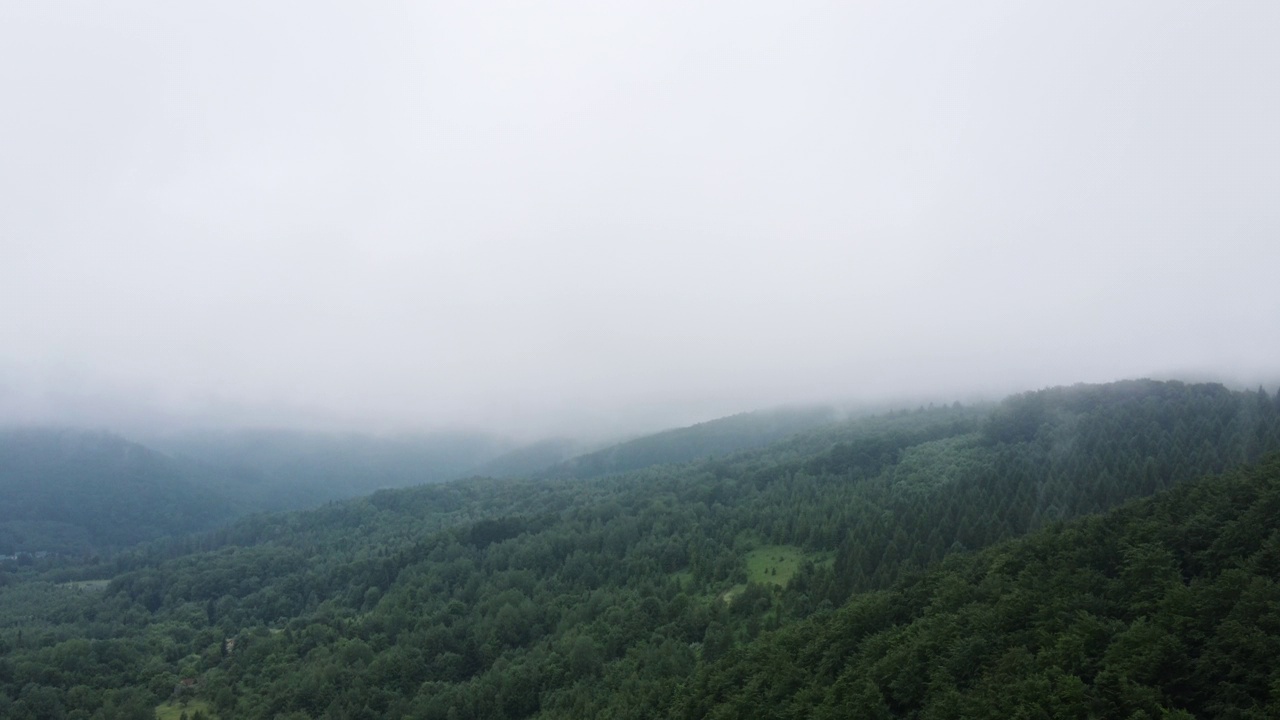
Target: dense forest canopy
1060, 554
1166, 607
71, 491
89, 493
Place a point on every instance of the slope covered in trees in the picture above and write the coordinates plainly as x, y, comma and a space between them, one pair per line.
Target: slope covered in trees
1167, 607
76, 491
603, 597
73, 491
720, 437
279, 469
529, 460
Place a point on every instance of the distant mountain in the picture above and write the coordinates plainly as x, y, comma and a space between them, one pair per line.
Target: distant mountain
529, 460
74, 491
71, 491
709, 439
285, 469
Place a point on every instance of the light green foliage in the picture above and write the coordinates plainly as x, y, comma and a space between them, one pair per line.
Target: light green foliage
683, 578
88, 585
925, 467
174, 710
774, 564
729, 595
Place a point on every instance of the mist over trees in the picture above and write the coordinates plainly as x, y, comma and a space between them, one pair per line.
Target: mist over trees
76, 492
819, 575
576, 359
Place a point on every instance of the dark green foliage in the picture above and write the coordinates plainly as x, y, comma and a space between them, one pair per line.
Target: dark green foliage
605, 597
1168, 607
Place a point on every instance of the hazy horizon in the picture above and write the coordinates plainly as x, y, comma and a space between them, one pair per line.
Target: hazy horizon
579, 219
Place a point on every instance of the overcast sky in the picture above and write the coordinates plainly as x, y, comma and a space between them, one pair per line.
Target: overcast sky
562, 216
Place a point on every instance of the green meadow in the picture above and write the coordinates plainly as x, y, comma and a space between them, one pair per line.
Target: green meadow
173, 711
774, 564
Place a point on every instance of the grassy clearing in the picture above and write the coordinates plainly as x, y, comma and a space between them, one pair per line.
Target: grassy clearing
774, 564
173, 711
91, 585
684, 578
727, 596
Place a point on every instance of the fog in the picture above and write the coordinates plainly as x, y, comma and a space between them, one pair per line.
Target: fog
577, 216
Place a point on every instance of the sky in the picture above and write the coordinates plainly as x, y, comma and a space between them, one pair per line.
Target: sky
571, 217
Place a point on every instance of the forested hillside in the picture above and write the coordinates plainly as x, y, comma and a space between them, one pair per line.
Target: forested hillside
1168, 607
673, 589
80, 492
709, 439
278, 469
74, 491
529, 460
